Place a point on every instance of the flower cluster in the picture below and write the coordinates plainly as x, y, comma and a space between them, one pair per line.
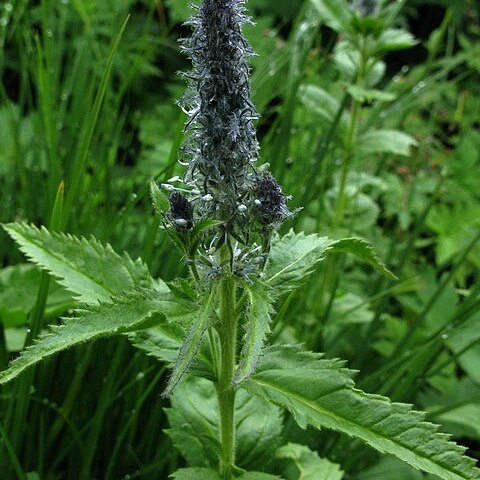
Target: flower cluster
222, 182
222, 145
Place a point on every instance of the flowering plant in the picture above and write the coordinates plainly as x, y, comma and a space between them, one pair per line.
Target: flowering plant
213, 327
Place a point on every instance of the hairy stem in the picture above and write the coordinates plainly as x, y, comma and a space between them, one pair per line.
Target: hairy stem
225, 390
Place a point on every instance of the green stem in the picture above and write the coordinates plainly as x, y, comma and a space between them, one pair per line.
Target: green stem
225, 390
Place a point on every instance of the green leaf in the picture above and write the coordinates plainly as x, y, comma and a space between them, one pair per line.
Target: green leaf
320, 102
257, 327
195, 426
196, 474
190, 346
362, 250
310, 465
334, 13
136, 310
367, 95
193, 421
321, 393
92, 271
385, 141
395, 39
17, 283
294, 257
258, 476
160, 200
163, 343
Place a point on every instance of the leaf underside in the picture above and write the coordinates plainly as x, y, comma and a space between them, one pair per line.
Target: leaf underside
321, 393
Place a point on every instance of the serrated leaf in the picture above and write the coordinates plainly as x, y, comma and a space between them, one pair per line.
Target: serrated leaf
190, 346
196, 474
139, 309
295, 256
91, 271
321, 393
334, 13
385, 141
362, 250
159, 199
291, 259
194, 424
395, 39
310, 465
257, 327
163, 343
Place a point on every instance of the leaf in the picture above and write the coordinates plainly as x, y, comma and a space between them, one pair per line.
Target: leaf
163, 343
291, 259
90, 270
362, 250
334, 13
190, 346
258, 476
136, 310
160, 200
320, 102
193, 421
321, 393
194, 424
395, 39
257, 327
17, 283
385, 141
196, 474
310, 465
367, 95
295, 256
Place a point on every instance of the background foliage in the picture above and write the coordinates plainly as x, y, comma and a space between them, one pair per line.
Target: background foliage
105, 124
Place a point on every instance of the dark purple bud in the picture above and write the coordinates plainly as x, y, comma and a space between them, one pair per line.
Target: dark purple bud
181, 211
270, 202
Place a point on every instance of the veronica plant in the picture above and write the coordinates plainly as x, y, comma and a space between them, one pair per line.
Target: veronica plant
227, 387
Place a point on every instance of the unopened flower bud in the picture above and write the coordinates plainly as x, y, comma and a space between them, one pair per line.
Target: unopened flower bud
273, 203
181, 211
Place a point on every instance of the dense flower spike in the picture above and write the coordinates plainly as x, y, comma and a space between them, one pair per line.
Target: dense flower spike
222, 145
224, 188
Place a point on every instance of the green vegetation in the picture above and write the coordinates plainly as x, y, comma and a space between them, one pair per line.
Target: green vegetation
195, 367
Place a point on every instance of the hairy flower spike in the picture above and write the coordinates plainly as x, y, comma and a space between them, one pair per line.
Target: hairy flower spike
222, 145
237, 205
